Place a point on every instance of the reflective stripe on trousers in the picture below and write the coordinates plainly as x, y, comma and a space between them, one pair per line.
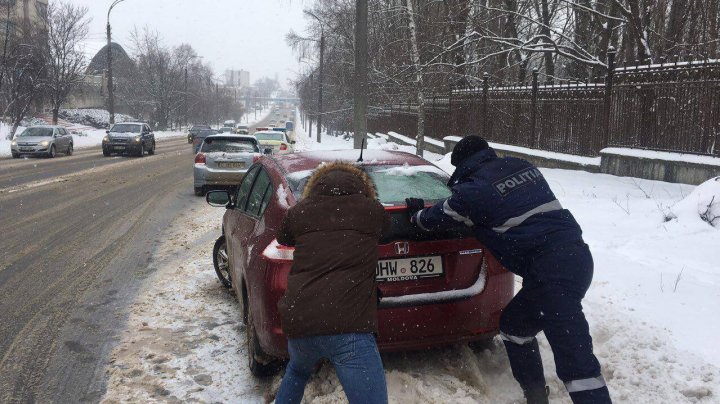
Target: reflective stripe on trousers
592, 383
515, 339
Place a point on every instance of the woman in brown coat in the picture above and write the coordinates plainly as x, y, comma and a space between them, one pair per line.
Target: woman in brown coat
330, 307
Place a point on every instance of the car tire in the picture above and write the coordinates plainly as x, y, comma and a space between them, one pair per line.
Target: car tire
141, 151
260, 363
15, 155
221, 262
482, 344
69, 151
53, 152
106, 153
152, 150
199, 191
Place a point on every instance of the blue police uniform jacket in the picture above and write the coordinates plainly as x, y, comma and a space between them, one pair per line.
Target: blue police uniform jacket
510, 208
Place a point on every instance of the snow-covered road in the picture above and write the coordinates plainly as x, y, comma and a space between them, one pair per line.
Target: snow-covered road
652, 311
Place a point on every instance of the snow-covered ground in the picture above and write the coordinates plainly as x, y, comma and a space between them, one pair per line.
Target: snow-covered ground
652, 310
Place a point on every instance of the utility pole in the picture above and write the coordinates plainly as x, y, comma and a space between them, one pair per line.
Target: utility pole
320, 83
361, 63
186, 97
111, 95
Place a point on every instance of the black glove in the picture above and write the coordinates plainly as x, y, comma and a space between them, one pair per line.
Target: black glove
414, 205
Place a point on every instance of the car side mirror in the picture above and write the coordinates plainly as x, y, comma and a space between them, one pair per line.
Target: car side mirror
267, 150
219, 199
107, 131
292, 142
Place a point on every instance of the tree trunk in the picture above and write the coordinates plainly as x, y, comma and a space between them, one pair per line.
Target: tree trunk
415, 54
55, 113
545, 30
676, 23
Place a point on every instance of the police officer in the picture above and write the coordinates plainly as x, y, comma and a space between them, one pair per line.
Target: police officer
513, 212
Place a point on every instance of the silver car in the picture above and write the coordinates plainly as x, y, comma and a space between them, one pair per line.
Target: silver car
223, 160
45, 141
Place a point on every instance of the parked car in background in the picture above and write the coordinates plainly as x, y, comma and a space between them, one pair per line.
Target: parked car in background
276, 142
44, 141
436, 288
195, 129
200, 136
134, 138
223, 160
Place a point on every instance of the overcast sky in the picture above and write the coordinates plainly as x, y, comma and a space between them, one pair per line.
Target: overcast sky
229, 34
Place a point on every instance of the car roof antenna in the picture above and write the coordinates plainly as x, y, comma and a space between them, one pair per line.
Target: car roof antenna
362, 147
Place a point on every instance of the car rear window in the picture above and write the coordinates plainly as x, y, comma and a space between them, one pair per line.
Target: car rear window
229, 146
270, 136
394, 183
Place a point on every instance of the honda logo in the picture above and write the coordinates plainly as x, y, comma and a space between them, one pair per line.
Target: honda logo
402, 248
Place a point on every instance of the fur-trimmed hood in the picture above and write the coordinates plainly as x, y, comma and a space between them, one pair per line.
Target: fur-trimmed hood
339, 178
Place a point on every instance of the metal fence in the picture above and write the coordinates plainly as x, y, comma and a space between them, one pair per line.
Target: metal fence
665, 106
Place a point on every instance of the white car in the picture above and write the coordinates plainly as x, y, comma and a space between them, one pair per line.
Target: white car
275, 142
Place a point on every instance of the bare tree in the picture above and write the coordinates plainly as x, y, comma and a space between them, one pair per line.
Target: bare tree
67, 27
23, 73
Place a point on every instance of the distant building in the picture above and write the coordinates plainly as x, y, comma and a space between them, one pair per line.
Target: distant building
237, 78
22, 13
92, 92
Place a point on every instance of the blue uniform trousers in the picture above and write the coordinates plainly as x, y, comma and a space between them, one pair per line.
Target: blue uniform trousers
550, 301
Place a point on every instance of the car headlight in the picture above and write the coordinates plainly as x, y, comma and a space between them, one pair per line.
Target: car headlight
45, 143
106, 139
13, 143
137, 139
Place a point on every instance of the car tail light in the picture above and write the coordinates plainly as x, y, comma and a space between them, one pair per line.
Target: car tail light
283, 146
200, 158
277, 252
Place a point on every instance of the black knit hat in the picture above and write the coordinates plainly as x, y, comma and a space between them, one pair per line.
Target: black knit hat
465, 148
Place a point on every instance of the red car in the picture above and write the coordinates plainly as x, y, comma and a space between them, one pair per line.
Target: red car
437, 288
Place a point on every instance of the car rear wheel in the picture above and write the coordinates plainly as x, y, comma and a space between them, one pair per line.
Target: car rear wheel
53, 152
15, 155
106, 153
152, 150
260, 363
221, 262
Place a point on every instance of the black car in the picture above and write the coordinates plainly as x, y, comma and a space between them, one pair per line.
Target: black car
133, 138
200, 136
194, 130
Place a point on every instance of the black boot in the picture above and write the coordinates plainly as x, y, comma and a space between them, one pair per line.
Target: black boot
537, 395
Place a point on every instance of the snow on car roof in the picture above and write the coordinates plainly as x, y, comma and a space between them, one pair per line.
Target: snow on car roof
237, 137
309, 160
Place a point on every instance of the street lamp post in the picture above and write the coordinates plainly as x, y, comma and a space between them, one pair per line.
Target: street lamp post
320, 73
111, 96
361, 66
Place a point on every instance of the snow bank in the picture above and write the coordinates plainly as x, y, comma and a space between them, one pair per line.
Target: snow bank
703, 204
96, 118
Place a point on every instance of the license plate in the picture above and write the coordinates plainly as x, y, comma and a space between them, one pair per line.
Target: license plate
119, 147
409, 269
231, 165
26, 149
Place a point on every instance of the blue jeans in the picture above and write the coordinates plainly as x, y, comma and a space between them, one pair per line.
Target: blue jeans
356, 360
